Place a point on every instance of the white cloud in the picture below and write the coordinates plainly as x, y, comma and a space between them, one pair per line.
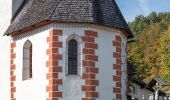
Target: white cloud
144, 4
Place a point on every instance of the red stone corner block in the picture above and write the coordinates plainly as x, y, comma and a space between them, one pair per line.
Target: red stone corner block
12, 71
117, 67
52, 64
91, 33
89, 63
56, 32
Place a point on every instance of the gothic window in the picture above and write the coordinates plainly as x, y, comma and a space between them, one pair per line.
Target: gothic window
73, 57
27, 60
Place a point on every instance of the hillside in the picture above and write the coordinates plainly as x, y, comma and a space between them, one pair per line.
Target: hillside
150, 49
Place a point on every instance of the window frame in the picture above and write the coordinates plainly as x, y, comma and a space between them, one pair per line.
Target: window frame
27, 61
72, 57
79, 55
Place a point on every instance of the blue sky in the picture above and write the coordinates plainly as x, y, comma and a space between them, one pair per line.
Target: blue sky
132, 8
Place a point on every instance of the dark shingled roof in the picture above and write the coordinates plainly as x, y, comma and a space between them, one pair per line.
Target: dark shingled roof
102, 12
158, 80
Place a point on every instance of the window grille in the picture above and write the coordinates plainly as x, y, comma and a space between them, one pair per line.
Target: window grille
27, 60
72, 57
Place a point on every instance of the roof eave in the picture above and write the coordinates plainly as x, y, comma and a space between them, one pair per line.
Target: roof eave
126, 32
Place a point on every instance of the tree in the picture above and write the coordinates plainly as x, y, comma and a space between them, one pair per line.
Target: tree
150, 53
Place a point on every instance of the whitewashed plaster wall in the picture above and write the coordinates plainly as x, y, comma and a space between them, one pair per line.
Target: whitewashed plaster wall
34, 88
124, 68
72, 85
5, 16
105, 64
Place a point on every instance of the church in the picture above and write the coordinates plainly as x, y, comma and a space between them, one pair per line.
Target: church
67, 50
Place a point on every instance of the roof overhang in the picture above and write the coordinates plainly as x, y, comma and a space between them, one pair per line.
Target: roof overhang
46, 22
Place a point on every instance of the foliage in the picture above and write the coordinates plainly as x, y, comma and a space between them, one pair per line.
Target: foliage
142, 23
150, 52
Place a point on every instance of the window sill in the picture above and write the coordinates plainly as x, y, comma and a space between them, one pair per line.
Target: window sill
27, 79
73, 77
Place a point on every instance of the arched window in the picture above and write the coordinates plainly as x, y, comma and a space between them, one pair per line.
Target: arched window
73, 55
27, 60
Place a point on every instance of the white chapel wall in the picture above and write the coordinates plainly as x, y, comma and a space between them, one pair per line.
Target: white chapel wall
124, 68
34, 88
5, 16
105, 64
72, 86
